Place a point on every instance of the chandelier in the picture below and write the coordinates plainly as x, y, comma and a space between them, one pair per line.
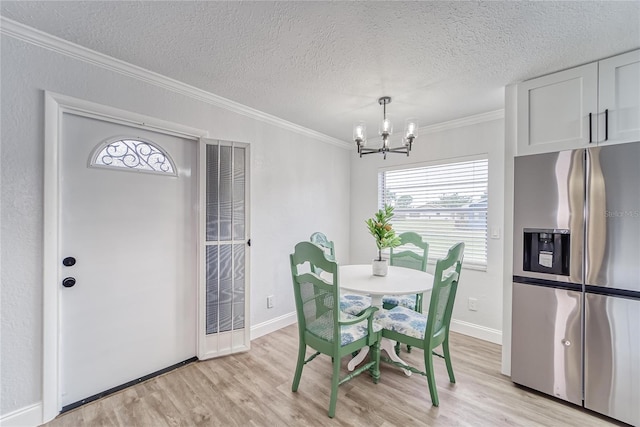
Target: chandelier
385, 130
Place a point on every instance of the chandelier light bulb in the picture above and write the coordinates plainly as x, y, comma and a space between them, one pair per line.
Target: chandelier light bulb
386, 127
411, 128
360, 131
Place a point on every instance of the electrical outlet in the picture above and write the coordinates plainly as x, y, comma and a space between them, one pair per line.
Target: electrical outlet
473, 304
270, 301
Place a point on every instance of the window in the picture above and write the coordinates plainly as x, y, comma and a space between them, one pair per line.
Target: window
444, 203
132, 154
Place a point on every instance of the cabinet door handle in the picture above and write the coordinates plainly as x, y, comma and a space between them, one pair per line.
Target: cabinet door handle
590, 133
606, 124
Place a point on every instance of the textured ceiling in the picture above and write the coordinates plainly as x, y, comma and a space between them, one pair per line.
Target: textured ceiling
323, 65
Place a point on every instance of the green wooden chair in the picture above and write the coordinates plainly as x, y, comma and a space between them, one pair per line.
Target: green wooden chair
349, 303
428, 331
322, 326
412, 253
327, 245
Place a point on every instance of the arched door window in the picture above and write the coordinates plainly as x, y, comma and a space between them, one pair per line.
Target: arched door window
135, 154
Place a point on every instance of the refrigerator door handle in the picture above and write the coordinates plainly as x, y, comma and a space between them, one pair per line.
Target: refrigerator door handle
595, 266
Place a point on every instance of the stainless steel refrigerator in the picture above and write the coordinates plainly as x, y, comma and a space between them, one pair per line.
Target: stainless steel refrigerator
576, 283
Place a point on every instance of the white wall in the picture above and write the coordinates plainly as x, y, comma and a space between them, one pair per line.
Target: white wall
478, 135
510, 113
298, 185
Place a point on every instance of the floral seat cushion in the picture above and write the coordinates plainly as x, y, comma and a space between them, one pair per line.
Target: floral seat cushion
408, 301
354, 304
323, 328
402, 320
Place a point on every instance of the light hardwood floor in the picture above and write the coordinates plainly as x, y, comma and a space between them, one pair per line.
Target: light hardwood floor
254, 389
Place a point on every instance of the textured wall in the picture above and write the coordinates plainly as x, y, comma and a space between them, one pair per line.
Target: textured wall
298, 186
21, 232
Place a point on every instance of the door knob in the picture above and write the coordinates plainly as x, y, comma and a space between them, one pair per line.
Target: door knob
69, 282
69, 261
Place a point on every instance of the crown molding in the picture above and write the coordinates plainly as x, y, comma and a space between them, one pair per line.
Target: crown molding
47, 41
464, 121
55, 44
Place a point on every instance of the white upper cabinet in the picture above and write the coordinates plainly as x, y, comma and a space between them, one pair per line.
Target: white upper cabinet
555, 111
619, 99
594, 104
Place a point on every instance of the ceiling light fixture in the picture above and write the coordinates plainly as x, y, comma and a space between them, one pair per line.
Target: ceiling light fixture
385, 130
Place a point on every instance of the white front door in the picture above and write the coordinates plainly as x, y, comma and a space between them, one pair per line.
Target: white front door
132, 310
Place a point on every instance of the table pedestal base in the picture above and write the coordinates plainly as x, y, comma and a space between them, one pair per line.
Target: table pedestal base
386, 345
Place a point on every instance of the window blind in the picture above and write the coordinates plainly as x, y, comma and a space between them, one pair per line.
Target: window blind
445, 204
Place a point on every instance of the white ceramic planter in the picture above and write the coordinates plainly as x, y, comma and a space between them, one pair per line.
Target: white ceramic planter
380, 268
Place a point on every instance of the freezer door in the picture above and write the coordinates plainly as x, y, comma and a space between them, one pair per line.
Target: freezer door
612, 357
613, 217
549, 194
546, 340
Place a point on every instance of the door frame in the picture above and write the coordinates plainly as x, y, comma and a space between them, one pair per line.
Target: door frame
55, 107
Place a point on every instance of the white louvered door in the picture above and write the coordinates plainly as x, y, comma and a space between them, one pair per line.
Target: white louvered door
224, 304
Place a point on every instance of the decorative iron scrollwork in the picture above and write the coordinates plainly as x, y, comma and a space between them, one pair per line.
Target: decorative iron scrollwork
134, 154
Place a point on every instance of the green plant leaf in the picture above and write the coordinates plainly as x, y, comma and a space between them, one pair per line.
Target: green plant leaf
381, 229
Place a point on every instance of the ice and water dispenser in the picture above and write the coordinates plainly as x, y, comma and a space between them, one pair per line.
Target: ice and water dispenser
546, 251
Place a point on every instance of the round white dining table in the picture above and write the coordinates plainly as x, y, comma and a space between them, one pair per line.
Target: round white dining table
398, 281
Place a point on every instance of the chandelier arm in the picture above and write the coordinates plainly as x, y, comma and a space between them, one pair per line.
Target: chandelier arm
397, 150
366, 151
401, 150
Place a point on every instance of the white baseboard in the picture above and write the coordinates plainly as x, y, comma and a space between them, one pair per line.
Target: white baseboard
273, 325
476, 331
29, 416
459, 326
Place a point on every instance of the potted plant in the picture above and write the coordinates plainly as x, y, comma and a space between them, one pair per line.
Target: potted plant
385, 236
